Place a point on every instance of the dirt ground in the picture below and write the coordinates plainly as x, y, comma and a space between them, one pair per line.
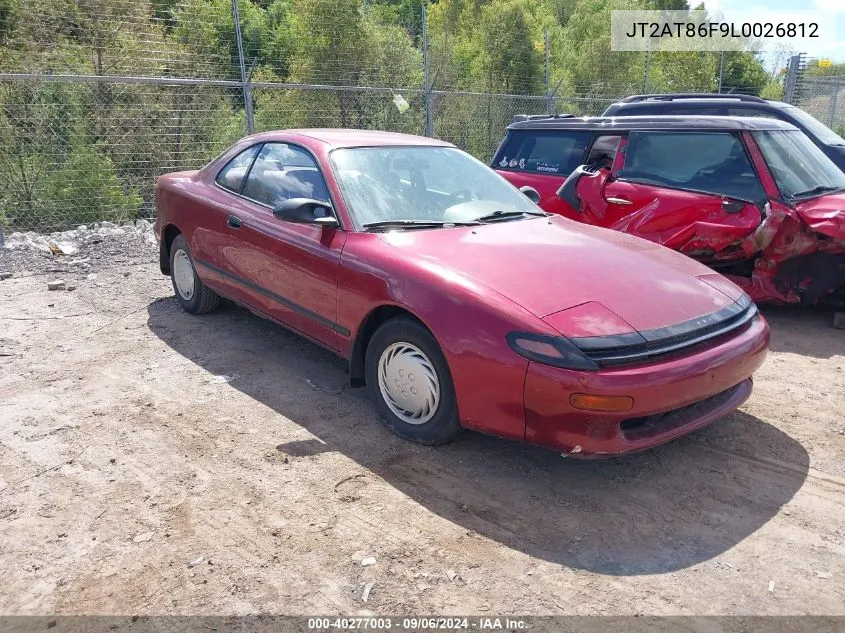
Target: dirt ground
153, 462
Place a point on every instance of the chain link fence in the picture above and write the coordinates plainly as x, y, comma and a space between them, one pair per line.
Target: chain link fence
824, 98
99, 97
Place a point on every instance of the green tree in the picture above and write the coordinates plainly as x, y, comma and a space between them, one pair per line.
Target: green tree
743, 72
86, 189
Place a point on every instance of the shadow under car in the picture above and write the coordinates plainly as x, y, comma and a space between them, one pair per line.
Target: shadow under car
657, 511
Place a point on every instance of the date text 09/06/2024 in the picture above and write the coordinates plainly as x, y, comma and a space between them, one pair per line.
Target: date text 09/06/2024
416, 623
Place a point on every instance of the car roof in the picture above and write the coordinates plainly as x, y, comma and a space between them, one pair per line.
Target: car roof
653, 122
338, 137
681, 100
674, 96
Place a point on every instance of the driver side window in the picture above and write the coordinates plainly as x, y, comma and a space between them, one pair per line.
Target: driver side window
712, 162
282, 172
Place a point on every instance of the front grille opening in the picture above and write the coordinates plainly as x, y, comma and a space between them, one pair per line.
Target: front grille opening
633, 423
652, 425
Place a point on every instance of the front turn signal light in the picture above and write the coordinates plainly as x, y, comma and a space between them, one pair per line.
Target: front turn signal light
603, 404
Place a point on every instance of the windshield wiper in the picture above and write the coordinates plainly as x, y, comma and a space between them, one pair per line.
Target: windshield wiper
499, 216
816, 191
414, 224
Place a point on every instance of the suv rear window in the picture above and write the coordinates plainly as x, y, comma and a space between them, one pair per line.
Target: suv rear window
554, 152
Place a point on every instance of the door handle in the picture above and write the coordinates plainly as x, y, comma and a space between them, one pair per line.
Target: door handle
618, 201
234, 222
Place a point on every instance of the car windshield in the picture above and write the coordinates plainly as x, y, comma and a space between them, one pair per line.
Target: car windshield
800, 168
424, 186
816, 127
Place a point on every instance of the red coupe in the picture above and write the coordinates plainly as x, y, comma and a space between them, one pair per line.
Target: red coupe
456, 300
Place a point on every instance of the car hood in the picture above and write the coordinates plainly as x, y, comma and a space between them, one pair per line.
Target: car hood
825, 214
547, 265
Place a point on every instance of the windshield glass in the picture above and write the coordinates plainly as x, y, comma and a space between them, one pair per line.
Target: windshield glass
800, 168
423, 184
817, 128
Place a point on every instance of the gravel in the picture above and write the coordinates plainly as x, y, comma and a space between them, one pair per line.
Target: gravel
80, 251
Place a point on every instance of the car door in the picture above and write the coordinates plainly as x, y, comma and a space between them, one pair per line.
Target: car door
542, 159
695, 192
207, 214
286, 270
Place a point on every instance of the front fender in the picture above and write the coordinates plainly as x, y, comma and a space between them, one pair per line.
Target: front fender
468, 320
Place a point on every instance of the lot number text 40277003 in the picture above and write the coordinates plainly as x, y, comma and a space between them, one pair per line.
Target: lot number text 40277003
416, 623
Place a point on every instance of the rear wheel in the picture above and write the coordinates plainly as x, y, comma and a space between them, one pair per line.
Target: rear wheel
408, 379
192, 294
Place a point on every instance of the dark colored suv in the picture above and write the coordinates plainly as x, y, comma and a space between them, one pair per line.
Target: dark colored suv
753, 198
687, 104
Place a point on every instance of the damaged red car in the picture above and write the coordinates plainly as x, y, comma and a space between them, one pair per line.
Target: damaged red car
753, 198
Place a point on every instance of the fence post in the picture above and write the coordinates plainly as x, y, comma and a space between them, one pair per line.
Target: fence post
250, 123
792, 85
550, 109
647, 65
428, 88
721, 70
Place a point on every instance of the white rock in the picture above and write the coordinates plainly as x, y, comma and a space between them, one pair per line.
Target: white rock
56, 285
28, 241
143, 225
66, 248
144, 537
369, 560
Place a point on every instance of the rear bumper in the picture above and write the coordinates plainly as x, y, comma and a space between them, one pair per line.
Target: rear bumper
672, 397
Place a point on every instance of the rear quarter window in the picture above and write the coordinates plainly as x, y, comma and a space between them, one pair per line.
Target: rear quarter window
552, 152
232, 176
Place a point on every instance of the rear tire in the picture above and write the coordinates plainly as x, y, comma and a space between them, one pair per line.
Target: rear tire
191, 293
409, 381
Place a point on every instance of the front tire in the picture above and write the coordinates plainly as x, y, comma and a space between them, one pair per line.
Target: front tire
409, 380
191, 293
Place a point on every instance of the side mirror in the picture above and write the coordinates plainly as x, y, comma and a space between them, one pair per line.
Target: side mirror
567, 189
531, 193
729, 205
306, 211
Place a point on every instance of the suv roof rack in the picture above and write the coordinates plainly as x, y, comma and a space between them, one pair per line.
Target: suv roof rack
517, 118
691, 95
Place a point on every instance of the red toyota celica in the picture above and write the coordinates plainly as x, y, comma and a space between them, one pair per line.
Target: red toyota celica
456, 300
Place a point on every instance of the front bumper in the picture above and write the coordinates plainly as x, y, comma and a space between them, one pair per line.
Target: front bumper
672, 396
